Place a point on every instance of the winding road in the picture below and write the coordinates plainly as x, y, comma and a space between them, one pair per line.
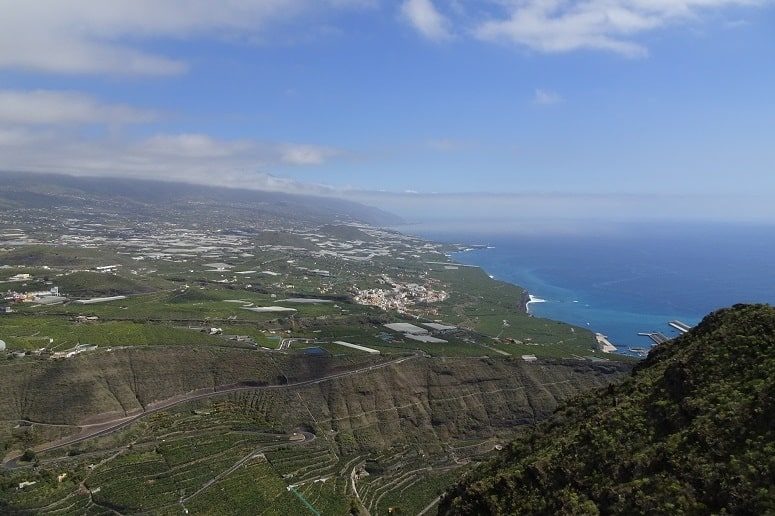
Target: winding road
94, 431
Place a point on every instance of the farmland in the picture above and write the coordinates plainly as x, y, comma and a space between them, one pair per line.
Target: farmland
194, 366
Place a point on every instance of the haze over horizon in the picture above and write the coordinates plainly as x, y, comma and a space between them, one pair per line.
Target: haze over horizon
625, 110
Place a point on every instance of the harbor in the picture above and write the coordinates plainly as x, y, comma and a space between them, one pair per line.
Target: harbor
658, 337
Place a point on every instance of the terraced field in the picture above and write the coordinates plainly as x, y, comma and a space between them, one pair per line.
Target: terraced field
379, 439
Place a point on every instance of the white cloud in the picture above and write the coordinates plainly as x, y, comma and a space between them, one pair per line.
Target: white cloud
46, 107
546, 97
426, 19
306, 154
193, 146
196, 158
103, 36
11, 136
567, 25
40, 130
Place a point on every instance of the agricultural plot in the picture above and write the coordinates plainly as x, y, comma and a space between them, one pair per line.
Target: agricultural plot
403, 479
59, 334
176, 459
46, 492
59, 256
327, 496
254, 488
86, 284
414, 491
304, 465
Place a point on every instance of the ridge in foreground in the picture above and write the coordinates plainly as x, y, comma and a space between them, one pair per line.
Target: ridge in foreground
691, 431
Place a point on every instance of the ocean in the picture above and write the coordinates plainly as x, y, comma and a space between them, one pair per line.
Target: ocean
634, 280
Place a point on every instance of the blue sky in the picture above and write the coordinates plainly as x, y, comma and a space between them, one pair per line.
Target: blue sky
436, 108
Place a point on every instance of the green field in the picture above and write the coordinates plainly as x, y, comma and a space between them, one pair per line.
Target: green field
58, 334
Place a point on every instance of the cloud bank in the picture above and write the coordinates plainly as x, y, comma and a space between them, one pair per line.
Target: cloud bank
44, 107
196, 158
42, 131
112, 36
104, 36
554, 26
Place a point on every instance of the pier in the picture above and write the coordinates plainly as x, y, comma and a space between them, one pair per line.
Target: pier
680, 326
657, 337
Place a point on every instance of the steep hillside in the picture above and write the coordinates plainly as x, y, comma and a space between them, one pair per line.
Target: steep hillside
104, 385
296, 434
692, 431
441, 397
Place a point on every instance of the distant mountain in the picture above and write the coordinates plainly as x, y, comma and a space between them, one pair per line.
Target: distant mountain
692, 431
32, 190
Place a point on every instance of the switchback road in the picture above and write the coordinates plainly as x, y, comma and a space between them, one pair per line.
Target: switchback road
94, 431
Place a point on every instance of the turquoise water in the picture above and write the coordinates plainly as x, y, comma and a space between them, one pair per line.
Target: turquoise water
632, 281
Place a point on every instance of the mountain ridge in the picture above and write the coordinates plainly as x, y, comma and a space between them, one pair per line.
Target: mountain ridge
43, 189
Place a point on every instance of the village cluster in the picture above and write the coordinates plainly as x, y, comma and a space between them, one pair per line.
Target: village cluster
400, 296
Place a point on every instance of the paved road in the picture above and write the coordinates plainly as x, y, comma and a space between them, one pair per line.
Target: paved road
118, 424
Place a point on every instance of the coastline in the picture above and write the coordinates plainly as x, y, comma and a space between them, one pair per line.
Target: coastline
612, 284
527, 299
532, 299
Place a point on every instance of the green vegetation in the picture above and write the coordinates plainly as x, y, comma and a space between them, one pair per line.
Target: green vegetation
60, 334
60, 256
415, 491
85, 284
414, 420
254, 486
182, 294
181, 398
344, 232
691, 432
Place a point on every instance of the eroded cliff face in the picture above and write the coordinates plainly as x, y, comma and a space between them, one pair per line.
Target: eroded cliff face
437, 400
104, 384
420, 400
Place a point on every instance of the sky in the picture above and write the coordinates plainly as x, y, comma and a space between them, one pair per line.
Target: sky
507, 111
